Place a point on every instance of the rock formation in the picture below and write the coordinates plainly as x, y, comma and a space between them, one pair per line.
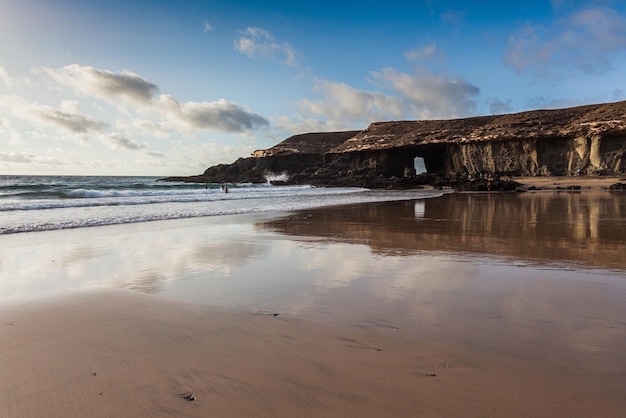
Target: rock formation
580, 140
295, 155
560, 142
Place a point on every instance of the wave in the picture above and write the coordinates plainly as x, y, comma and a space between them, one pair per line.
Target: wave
93, 198
92, 214
47, 203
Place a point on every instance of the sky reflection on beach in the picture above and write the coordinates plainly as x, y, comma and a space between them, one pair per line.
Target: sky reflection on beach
534, 274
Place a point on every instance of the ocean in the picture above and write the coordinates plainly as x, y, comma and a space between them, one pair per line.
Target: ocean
40, 203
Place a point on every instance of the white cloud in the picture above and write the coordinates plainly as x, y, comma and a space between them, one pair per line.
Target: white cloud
586, 41
422, 95
206, 27
16, 158
8, 134
423, 53
341, 102
256, 42
434, 96
103, 84
146, 128
289, 125
71, 122
66, 118
46, 160
220, 115
186, 117
4, 77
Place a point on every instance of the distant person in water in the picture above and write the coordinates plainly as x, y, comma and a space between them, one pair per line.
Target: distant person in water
221, 187
225, 189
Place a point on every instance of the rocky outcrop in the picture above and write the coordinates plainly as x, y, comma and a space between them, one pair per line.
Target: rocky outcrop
590, 138
306, 144
580, 140
294, 155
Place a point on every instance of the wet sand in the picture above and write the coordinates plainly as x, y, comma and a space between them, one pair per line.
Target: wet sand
127, 355
471, 305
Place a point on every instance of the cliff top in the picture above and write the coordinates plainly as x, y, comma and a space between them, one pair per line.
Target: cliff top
570, 122
310, 143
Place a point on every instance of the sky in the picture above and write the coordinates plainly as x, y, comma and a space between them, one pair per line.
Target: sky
164, 88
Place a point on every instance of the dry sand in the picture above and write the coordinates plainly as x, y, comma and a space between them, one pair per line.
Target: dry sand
585, 182
121, 354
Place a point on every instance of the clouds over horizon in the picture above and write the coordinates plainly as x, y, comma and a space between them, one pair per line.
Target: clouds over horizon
421, 95
584, 41
220, 115
399, 95
137, 110
67, 117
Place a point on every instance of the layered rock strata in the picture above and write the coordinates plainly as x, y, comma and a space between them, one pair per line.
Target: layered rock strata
584, 140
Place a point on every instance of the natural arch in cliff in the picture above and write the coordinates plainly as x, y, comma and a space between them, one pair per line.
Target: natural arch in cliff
419, 165
434, 157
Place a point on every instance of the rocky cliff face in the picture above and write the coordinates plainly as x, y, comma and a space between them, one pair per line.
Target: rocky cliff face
295, 155
585, 139
543, 142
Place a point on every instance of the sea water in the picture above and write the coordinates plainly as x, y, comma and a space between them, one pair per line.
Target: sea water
40, 203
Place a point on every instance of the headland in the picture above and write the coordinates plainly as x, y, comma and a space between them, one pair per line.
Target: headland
580, 141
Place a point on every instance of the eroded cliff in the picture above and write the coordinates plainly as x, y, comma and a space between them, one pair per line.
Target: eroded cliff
580, 140
542, 142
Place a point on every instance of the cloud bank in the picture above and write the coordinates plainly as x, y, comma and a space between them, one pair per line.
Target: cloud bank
421, 95
103, 83
131, 88
67, 118
430, 95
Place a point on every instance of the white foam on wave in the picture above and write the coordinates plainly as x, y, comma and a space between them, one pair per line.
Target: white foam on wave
76, 213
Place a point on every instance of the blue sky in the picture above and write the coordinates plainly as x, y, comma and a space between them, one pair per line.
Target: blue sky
171, 88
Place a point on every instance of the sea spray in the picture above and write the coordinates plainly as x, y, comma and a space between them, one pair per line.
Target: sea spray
272, 177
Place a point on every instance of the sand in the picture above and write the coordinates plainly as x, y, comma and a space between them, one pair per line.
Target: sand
585, 182
122, 354
117, 352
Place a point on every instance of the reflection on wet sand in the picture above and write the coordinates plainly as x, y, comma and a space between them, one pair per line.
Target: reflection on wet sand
586, 229
464, 269
146, 257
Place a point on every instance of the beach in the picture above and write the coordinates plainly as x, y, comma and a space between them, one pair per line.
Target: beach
585, 182
464, 305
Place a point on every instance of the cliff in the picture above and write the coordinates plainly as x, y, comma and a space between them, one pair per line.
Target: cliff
296, 154
543, 142
580, 140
